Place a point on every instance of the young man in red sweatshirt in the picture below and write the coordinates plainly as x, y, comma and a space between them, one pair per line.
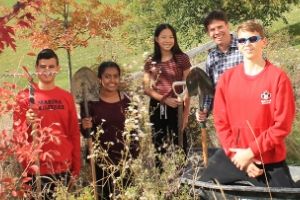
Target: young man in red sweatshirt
254, 108
47, 116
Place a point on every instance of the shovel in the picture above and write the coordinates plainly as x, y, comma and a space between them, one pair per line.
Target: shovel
85, 87
181, 86
198, 83
34, 130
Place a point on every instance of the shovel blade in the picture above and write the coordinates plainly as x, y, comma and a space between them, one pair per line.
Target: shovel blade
85, 85
198, 83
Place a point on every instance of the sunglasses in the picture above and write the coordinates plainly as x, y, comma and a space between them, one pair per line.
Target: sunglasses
251, 39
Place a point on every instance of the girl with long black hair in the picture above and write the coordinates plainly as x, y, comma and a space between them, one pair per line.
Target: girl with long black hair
166, 65
109, 113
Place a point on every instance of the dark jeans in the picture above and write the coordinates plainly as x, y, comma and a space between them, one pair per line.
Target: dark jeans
221, 169
165, 126
49, 182
164, 129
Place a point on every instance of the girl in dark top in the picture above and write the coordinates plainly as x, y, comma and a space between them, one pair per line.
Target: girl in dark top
167, 64
109, 113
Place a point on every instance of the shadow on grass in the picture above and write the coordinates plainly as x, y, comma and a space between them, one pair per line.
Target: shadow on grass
294, 31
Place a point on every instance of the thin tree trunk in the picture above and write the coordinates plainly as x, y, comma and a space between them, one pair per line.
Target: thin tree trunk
70, 68
66, 25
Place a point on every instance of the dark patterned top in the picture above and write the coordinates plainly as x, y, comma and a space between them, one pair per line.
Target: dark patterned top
218, 62
163, 74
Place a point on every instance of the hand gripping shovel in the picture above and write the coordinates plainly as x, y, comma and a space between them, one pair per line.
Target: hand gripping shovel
85, 87
198, 83
179, 85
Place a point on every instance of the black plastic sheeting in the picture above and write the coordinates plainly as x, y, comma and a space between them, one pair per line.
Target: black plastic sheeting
212, 191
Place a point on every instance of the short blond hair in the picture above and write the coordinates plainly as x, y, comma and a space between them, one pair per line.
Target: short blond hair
252, 26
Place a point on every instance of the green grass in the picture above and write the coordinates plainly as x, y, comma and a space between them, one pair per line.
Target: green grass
7, 2
292, 17
10, 60
293, 26
98, 50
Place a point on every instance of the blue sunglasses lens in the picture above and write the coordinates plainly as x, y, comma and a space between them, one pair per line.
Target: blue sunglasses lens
242, 40
251, 39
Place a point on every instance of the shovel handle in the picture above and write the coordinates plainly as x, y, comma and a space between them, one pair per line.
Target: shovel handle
180, 132
27, 74
93, 168
204, 141
179, 84
90, 143
204, 146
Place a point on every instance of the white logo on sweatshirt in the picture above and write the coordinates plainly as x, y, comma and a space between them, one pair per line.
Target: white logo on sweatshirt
265, 97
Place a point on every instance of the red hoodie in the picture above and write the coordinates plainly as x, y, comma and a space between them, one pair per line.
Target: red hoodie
265, 100
56, 109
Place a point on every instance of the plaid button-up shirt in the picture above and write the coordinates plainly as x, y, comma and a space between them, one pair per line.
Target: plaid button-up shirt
218, 62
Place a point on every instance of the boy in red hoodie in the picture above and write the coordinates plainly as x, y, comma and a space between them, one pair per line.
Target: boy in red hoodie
51, 114
254, 108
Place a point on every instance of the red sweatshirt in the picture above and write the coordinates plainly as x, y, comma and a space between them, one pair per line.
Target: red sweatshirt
265, 100
57, 111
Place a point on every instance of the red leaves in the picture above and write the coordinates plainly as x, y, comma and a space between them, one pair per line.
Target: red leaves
10, 188
34, 168
13, 144
7, 97
26, 179
46, 156
6, 37
23, 24
6, 181
14, 193
22, 17
29, 17
18, 6
84, 21
25, 20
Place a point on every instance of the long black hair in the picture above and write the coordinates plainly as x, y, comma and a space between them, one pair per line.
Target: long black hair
107, 64
175, 49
